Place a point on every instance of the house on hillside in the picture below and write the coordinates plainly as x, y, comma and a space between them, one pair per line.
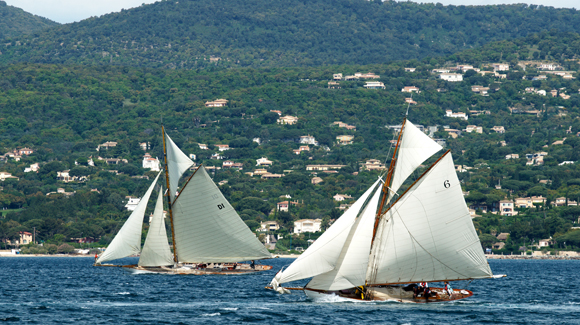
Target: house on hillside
217, 103
345, 139
132, 203
506, 208
263, 162
290, 120
410, 89
308, 139
460, 115
307, 225
374, 85
106, 145
451, 77
150, 163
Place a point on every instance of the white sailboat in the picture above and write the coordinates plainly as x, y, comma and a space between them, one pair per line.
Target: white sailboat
377, 251
209, 237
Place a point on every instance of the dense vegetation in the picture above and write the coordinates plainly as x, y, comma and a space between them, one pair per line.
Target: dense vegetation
14, 22
260, 33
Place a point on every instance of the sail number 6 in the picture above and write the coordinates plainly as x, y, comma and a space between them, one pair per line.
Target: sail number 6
221, 206
446, 184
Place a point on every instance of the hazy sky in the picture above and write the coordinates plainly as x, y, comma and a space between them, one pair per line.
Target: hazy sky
67, 11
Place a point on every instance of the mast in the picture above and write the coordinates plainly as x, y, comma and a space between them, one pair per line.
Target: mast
388, 182
169, 196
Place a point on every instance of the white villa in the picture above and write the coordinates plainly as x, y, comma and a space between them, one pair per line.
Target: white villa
307, 225
150, 163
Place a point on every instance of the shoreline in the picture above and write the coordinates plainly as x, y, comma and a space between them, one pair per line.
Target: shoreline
489, 257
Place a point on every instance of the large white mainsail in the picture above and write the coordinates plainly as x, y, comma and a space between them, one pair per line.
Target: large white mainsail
428, 235
128, 240
156, 251
351, 268
208, 229
414, 149
323, 254
177, 163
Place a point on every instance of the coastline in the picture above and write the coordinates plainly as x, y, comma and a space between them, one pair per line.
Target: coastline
489, 257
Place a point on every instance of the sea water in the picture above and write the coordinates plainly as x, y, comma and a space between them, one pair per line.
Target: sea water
69, 290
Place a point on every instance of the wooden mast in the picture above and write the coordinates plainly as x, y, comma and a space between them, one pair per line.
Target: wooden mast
388, 182
169, 196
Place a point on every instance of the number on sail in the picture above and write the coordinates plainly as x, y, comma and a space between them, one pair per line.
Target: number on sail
221, 206
446, 184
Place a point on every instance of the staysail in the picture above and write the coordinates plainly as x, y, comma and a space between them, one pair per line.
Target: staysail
323, 254
156, 251
414, 149
208, 229
428, 235
178, 163
351, 267
128, 240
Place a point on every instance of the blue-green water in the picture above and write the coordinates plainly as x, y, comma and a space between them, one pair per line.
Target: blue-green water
46, 290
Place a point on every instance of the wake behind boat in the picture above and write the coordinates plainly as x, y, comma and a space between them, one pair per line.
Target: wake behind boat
379, 251
209, 237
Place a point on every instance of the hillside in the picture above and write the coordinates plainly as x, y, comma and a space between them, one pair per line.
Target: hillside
15, 22
197, 33
521, 138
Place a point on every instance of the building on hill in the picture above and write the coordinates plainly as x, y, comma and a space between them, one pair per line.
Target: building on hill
460, 115
263, 162
410, 89
202, 146
290, 120
150, 163
451, 77
498, 129
528, 202
337, 76
307, 225
341, 197
345, 139
269, 226
302, 148
308, 139
498, 245
282, 206
132, 203
474, 128
33, 168
323, 167
410, 69
5, 175
217, 103
503, 236
373, 164
374, 85
316, 180
506, 208
223, 147
270, 175
500, 66
107, 145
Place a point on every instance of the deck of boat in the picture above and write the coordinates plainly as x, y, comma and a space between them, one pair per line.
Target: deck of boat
391, 293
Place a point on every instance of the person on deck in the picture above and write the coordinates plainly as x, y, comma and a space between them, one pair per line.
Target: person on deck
448, 289
253, 265
96, 257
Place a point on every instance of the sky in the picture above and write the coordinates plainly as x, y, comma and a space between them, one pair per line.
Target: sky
68, 11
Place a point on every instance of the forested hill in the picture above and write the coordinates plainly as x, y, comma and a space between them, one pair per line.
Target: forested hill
260, 33
15, 22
